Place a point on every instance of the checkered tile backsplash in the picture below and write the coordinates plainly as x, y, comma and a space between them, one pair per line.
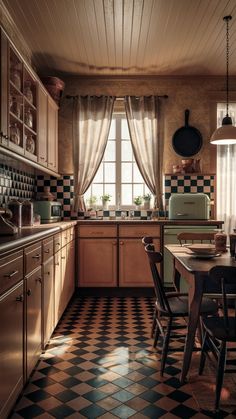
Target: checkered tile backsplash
15, 184
63, 190
189, 184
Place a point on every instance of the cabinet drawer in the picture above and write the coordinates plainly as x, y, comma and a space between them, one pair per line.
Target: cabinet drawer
33, 257
139, 231
98, 231
47, 249
11, 270
57, 242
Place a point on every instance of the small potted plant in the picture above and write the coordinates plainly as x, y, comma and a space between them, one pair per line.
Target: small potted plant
138, 200
105, 199
91, 202
147, 198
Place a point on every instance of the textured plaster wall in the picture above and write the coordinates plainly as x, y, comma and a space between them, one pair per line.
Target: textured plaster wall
194, 93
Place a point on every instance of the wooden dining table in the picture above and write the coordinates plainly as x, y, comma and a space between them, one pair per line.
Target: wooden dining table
194, 270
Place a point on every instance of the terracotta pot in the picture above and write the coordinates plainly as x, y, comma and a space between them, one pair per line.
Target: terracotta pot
55, 87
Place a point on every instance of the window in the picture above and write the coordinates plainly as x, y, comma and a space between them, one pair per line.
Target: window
118, 174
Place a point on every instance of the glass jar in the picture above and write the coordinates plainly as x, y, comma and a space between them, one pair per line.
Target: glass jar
27, 213
29, 118
28, 91
16, 208
16, 78
220, 242
15, 107
30, 144
15, 134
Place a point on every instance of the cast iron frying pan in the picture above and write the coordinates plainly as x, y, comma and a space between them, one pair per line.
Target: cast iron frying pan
187, 140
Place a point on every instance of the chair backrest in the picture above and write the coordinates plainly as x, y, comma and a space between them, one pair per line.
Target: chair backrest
185, 237
225, 277
156, 258
147, 240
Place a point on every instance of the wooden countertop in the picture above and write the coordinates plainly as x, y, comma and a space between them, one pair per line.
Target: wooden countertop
27, 235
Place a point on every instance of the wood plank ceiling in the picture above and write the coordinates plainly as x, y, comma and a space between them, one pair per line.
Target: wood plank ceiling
127, 37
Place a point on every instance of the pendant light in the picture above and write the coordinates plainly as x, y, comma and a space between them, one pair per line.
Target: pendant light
226, 134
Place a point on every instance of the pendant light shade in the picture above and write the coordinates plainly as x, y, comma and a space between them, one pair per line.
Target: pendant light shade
226, 134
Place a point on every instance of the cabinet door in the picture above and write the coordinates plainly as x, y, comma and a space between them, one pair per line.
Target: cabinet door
134, 269
97, 262
11, 347
52, 135
57, 286
4, 89
64, 278
42, 126
70, 280
48, 300
33, 319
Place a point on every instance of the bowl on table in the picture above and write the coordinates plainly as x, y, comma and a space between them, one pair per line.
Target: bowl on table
203, 248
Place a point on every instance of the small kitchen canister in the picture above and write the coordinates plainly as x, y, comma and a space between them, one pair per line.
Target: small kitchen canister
220, 242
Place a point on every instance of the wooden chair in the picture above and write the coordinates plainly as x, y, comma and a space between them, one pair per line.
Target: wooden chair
186, 237
170, 306
218, 331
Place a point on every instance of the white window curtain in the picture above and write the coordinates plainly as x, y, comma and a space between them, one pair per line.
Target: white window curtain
143, 115
226, 186
91, 124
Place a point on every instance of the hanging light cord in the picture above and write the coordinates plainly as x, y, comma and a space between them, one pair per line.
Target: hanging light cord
227, 18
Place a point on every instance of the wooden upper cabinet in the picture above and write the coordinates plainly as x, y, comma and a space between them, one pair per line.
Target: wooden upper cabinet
42, 126
52, 135
4, 90
29, 116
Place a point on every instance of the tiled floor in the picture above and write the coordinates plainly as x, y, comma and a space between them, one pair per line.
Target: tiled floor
101, 364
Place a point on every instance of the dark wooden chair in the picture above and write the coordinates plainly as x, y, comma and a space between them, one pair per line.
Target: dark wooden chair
171, 306
218, 331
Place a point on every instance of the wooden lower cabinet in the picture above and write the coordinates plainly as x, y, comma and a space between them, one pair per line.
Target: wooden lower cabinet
33, 336
11, 347
48, 301
97, 262
64, 265
134, 269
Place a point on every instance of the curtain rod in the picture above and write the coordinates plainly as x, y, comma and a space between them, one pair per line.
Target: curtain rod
118, 97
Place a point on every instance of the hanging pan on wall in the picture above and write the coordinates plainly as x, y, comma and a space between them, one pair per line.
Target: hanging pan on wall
187, 140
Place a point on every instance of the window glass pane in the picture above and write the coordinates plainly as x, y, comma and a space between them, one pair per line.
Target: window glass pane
99, 175
126, 172
111, 190
137, 175
97, 190
126, 195
112, 132
110, 152
109, 171
126, 151
124, 129
138, 189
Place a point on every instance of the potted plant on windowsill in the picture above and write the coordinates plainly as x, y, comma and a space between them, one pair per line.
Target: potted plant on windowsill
138, 200
147, 198
105, 199
91, 202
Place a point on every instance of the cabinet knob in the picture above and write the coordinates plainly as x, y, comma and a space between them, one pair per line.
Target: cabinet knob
39, 279
29, 292
46, 251
63, 257
20, 298
48, 273
57, 263
11, 274
36, 257
121, 243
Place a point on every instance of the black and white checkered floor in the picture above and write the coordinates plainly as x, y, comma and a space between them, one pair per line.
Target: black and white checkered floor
101, 364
